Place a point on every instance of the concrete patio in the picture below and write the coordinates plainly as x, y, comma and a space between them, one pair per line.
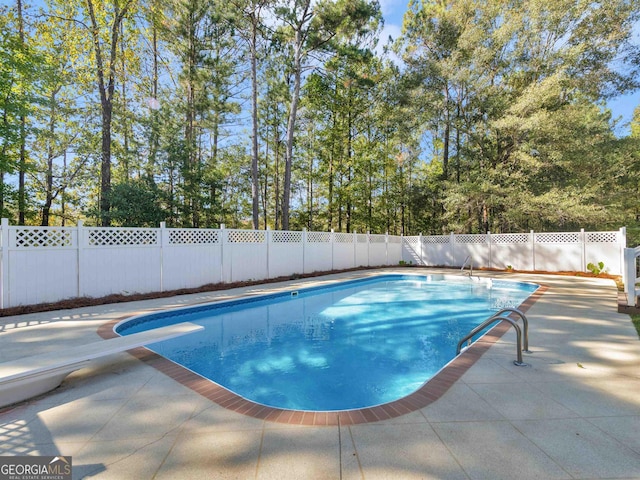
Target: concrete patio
574, 413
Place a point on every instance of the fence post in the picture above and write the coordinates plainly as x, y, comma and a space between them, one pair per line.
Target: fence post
622, 242
490, 254
452, 242
223, 240
332, 247
420, 248
583, 250
304, 250
80, 238
4, 298
386, 248
354, 238
163, 241
268, 237
532, 237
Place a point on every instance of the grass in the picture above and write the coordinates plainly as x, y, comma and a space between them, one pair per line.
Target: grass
635, 318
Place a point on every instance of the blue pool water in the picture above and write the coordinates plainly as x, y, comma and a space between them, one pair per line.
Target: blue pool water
352, 345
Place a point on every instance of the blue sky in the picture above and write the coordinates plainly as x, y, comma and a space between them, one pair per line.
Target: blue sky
623, 106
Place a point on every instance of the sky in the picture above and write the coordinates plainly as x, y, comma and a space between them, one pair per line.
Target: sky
623, 106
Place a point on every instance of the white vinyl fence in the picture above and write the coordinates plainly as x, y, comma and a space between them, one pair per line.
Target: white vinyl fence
48, 264
552, 252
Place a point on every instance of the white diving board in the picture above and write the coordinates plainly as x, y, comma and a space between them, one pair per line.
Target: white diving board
30, 376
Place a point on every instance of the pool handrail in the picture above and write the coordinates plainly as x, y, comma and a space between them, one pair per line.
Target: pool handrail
525, 326
493, 319
470, 260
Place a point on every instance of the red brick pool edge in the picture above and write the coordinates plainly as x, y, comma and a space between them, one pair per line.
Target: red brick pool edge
431, 391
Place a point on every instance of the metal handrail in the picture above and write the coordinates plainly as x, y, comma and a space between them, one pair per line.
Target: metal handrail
470, 260
488, 322
525, 326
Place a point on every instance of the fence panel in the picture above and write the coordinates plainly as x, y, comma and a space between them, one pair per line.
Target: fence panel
472, 249
601, 247
559, 252
191, 258
343, 251
512, 249
394, 250
245, 255
286, 253
377, 250
120, 260
318, 255
436, 250
42, 265
362, 251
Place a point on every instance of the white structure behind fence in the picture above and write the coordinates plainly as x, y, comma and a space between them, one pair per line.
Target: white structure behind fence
48, 264
631, 275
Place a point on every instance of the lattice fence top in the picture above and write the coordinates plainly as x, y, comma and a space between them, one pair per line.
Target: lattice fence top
570, 237
43, 237
286, 237
602, 237
246, 236
436, 239
410, 240
116, 237
394, 239
509, 238
377, 238
193, 236
362, 238
318, 237
471, 239
343, 237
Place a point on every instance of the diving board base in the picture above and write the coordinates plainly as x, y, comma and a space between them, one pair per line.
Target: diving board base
29, 377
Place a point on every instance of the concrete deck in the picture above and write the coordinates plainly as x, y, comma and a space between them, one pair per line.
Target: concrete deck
573, 414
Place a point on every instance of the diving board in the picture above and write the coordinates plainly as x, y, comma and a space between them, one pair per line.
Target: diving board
30, 376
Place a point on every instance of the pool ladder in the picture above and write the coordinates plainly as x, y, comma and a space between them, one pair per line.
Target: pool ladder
519, 333
464, 264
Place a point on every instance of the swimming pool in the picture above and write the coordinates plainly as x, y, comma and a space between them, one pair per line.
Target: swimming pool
352, 345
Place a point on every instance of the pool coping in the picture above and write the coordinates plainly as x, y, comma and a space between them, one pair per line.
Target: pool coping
428, 393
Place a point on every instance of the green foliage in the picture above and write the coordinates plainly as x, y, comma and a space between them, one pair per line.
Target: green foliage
596, 269
635, 319
21, 68
135, 204
496, 121
509, 102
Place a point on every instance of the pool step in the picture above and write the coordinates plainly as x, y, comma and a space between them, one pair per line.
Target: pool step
30, 376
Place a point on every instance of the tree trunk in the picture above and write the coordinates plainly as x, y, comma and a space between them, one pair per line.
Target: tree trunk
2, 193
106, 86
447, 129
105, 169
22, 165
154, 137
254, 120
63, 191
46, 208
293, 112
